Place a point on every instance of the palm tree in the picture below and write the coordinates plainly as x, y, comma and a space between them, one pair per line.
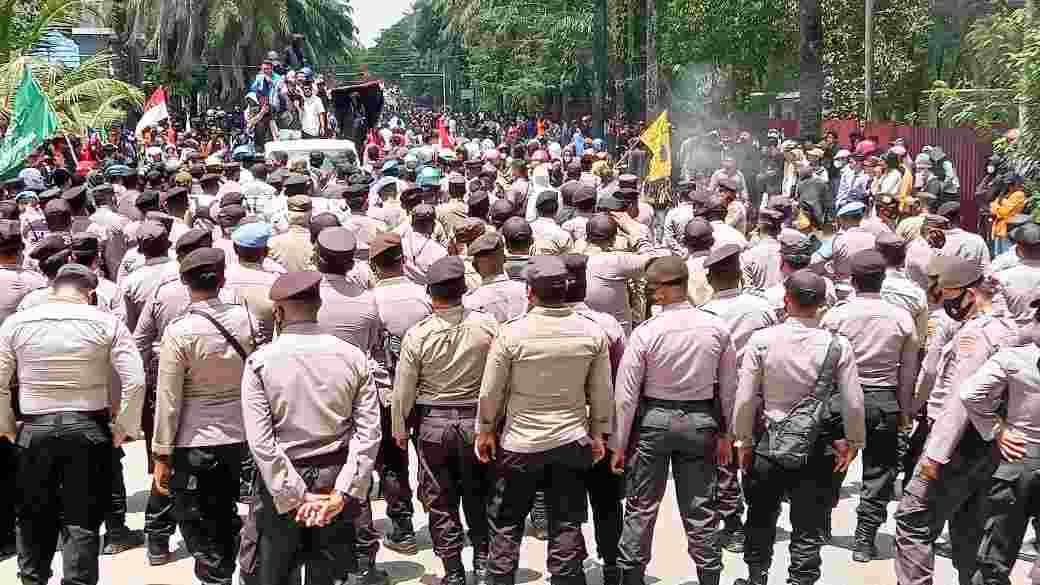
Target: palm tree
810, 85
23, 26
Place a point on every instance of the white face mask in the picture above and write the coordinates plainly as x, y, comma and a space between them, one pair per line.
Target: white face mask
839, 164
991, 169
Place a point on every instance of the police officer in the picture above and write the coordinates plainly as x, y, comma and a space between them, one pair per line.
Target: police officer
698, 240
65, 464
610, 272
744, 312
679, 374
886, 348
519, 238
897, 287
247, 277
584, 198
555, 427
315, 459
139, 286
951, 477
15, 283
420, 248
796, 253
1019, 283
853, 238
199, 439
549, 238
762, 261
293, 249
1011, 374
677, 217
606, 489
348, 310
780, 368
498, 296
438, 377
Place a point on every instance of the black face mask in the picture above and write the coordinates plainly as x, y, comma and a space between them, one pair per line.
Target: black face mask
954, 308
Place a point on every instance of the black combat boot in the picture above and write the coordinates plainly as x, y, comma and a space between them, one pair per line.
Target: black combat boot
454, 571
733, 536
159, 551
121, 539
611, 575
865, 549
402, 538
755, 577
480, 572
633, 577
368, 574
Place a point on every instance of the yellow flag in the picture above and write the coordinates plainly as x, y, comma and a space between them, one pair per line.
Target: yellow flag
658, 139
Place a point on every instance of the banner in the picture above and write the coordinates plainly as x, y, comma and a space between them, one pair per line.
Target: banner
658, 138
33, 122
154, 111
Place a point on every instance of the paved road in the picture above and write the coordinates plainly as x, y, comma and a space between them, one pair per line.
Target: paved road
671, 564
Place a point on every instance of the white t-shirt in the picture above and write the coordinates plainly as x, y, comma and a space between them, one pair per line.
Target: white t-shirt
310, 115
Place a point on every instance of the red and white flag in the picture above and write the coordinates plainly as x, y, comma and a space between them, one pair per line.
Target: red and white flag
154, 111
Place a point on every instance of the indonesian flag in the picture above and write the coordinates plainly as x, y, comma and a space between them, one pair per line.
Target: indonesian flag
154, 111
442, 132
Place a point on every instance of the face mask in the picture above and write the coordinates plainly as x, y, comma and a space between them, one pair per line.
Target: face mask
954, 308
839, 164
991, 169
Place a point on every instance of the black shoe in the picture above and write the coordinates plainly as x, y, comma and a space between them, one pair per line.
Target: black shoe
864, 553
611, 575
454, 578
751, 581
633, 577
480, 574
119, 540
371, 576
733, 540
708, 578
402, 538
8, 549
159, 551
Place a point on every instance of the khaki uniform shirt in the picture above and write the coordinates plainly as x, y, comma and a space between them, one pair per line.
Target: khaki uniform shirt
198, 395
675, 225
293, 250
607, 290
64, 352
682, 353
15, 283
966, 245
401, 304
780, 367
698, 291
548, 377
762, 263
900, 291
575, 227
349, 312
1020, 286
500, 297
845, 245
251, 285
549, 238
452, 214
140, 285
615, 334
304, 395
885, 343
1012, 374
725, 234
442, 362
744, 313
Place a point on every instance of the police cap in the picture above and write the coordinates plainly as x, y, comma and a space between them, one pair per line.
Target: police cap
231, 215
78, 275
175, 193
192, 239
446, 270
546, 274
959, 272
666, 270
57, 207
85, 242
601, 227
336, 241
147, 198
866, 262
386, 243
296, 286
1027, 234
485, 244
698, 230
723, 258
203, 259
628, 181
584, 193
516, 229
232, 199
612, 202
807, 286
50, 245
296, 185
470, 229
252, 235
502, 210
545, 198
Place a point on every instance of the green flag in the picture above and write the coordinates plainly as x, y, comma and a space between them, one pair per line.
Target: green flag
33, 122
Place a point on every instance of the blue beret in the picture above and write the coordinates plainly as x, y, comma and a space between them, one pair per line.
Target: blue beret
252, 235
854, 208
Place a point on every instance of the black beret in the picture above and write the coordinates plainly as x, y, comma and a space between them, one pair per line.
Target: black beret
49, 246
151, 231
723, 257
203, 259
666, 270
545, 198
889, 241
600, 227
173, 193
296, 185
209, 178
147, 198
445, 270
385, 243
78, 274
867, 262
808, 285
193, 238
231, 199
336, 240
698, 230
10, 234
85, 242
502, 210
296, 286
959, 272
546, 273
484, 244
77, 193
517, 229
57, 207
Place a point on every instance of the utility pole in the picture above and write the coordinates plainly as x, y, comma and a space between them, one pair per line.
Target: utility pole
651, 59
868, 69
600, 60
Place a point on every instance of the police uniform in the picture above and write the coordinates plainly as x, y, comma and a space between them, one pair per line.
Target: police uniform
887, 352
575, 226
516, 229
919, 252
962, 243
452, 213
293, 249
250, 282
65, 462
1020, 283
1010, 258
899, 290
556, 396
744, 313
420, 250
848, 242
438, 378
140, 285
326, 441
1012, 375
674, 225
608, 274
698, 240
549, 238
499, 296
967, 460
778, 370
348, 310
762, 262
198, 421
678, 377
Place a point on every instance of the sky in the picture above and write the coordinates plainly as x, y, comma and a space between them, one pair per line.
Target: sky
372, 16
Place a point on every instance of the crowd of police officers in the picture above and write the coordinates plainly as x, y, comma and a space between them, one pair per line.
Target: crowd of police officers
536, 367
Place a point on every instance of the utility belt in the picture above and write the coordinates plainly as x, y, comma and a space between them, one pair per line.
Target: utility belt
66, 417
323, 460
453, 411
707, 405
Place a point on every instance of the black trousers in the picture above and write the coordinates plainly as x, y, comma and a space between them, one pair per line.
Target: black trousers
606, 490
449, 475
159, 522
392, 466
561, 471
880, 461
205, 487
283, 545
64, 479
915, 447
1013, 499
116, 518
8, 489
958, 496
810, 493
683, 436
